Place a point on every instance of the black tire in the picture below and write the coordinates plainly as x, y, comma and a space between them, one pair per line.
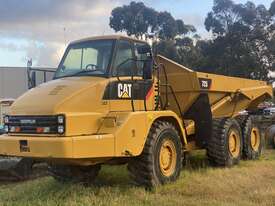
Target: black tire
218, 151
269, 137
251, 150
76, 174
145, 170
23, 169
241, 119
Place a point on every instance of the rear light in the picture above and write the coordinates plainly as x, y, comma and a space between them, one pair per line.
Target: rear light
17, 129
39, 129
43, 129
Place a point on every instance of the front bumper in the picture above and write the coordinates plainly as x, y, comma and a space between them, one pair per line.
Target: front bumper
76, 147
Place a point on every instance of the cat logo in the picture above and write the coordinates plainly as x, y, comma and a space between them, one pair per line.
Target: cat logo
124, 91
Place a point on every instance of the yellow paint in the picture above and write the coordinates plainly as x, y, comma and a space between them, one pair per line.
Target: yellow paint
167, 158
115, 141
255, 139
243, 93
234, 143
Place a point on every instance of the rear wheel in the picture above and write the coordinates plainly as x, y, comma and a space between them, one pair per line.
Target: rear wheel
269, 137
160, 161
78, 174
252, 139
225, 145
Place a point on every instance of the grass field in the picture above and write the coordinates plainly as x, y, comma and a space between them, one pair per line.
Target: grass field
250, 183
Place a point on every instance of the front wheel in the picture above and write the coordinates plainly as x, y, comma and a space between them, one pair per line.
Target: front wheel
160, 161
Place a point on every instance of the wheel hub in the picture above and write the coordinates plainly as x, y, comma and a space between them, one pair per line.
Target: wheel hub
255, 139
234, 144
167, 158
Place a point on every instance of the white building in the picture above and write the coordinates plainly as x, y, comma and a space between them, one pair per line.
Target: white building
14, 80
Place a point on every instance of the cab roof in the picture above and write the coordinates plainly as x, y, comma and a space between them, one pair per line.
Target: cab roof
111, 37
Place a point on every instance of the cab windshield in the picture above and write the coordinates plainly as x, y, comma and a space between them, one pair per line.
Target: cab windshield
90, 58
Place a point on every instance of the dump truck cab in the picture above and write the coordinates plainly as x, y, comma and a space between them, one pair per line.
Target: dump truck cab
112, 102
118, 62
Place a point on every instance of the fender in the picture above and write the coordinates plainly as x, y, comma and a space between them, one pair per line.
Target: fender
131, 129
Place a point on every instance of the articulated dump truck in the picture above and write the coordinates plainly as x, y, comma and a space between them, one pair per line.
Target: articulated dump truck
112, 102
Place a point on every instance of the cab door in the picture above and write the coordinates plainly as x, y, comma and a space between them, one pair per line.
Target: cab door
121, 87
129, 87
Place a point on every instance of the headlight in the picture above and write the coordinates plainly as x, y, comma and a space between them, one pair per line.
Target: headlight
6, 119
60, 129
60, 119
12, 129
61, 124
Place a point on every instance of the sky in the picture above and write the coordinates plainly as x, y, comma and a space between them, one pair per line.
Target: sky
41, 29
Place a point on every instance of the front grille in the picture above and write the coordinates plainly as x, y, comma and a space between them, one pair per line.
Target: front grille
30, 124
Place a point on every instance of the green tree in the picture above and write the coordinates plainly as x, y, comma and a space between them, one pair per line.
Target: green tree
135, 19
167, 48
242, 36
138, 20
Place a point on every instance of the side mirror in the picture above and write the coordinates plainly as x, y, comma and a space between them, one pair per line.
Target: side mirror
144, 49
33, 78
148, 61
147, 69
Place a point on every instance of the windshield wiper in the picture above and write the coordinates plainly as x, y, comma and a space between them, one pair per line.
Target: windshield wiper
85, 71
81, 72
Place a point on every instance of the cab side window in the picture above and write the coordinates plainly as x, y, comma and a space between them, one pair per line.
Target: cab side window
141, 59
124, 63
144, 60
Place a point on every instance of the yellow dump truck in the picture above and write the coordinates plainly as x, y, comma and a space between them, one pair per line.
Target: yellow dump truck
112, 102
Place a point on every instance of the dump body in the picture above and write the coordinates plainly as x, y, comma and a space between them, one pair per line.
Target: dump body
227, 95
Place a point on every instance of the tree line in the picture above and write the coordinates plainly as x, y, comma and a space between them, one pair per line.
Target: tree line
242, 39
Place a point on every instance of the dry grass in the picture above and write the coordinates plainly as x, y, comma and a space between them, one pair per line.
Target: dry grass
250, 183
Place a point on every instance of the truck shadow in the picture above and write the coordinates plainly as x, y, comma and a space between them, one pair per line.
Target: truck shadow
118, 175
196, 160
111, 180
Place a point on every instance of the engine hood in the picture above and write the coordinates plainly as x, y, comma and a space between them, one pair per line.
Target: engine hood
71, 94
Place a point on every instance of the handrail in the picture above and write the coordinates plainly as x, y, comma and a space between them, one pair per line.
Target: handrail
32, 79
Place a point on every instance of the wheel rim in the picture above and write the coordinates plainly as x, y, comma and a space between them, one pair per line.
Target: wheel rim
234, 144
167, 158
255, 139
